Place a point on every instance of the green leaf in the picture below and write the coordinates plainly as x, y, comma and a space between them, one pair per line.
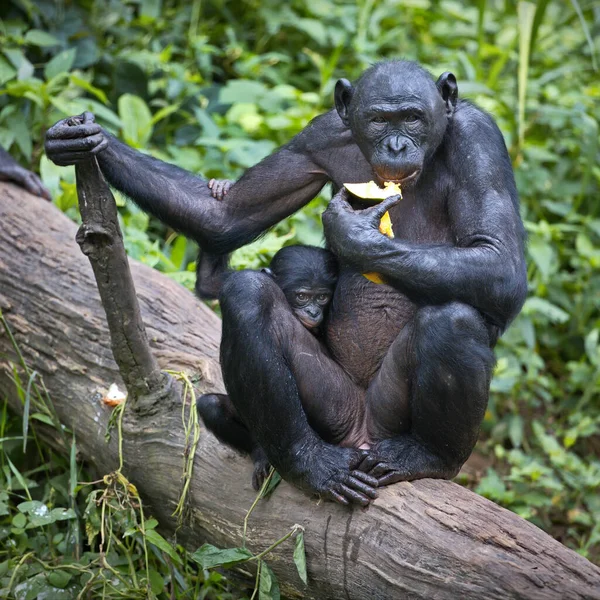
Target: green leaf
268, 586
43, 418
209, 556
136, 118
88, 87
526, 14
544, 256
159, 541
61, 63
26, 407
515, 430
7, 71
242, 89
37, 37
592, 346
59, 579
300, 557
157, 583
33, 506
19, 477
541, 306
19, 521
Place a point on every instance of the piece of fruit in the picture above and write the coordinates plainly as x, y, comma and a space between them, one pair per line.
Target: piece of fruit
385, 225
371, 191
374, 277
114, 396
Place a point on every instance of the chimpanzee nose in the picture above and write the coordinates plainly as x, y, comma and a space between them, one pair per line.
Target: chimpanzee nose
313, 312
396, 144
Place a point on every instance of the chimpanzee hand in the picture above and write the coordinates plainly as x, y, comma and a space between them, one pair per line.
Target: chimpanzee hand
219, 188
350, 232
332, 472
75, 139
12, 171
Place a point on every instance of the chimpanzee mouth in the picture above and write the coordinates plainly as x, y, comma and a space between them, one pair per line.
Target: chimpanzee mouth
407, 179
309, 323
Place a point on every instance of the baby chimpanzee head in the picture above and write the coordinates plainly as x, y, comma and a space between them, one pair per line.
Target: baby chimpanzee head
307, 276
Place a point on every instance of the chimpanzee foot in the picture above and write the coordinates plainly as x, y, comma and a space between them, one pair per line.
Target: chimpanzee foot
219, 188
404, 459
26, 179
333, 472
262, 467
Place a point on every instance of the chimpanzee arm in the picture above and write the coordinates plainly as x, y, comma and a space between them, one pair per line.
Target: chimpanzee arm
268, 192
211, 272
486, 266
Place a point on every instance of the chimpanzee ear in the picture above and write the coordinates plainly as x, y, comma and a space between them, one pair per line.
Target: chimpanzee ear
267, 271
448, 89
343, 96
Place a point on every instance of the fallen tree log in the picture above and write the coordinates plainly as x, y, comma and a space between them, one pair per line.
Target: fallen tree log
427, 539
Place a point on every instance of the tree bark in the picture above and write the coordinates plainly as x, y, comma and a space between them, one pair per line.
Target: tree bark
426, 539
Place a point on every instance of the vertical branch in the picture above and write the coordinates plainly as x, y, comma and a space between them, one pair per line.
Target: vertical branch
100, 239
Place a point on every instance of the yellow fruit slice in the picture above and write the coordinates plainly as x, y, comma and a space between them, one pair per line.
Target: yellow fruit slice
385, 225
374, 277
371, 191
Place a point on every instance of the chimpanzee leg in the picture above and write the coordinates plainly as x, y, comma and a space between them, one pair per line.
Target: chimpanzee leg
270, 361
426, 404
220, 417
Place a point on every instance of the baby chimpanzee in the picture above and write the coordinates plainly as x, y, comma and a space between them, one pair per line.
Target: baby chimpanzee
307, 276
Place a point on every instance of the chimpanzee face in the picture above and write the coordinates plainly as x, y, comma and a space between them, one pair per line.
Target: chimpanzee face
397, 116
309, 304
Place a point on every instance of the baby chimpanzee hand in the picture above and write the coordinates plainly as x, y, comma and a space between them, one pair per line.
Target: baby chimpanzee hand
219, 188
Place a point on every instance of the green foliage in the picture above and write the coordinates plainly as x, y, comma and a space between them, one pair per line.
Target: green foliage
215, 86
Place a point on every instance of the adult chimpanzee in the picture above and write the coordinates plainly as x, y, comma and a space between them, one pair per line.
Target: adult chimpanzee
408, 365
11, 170
307, 276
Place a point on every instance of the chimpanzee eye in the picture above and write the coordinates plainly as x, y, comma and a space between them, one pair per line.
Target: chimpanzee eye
411, 118
301, 297
323, 298
378, 120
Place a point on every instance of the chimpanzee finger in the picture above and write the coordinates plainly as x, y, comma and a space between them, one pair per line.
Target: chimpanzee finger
88, 117
70, 158
340, 201
103, 144
368, 489
34, 185
338, 497
211, 183
391, 477
84, 144
380, 469
365, 478
61, 131
376, 212
354, 496
368, 463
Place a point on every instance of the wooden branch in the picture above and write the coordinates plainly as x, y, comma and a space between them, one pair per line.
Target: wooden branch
100, 239
427, 539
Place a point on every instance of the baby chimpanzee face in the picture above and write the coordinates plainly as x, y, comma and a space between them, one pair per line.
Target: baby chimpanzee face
309, 305
307, 276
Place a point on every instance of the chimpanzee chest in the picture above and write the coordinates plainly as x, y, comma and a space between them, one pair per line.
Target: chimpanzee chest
365, 318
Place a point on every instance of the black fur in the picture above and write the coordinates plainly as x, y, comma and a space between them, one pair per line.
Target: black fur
405, 367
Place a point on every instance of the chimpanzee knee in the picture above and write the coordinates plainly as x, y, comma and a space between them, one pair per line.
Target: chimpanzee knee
248, 291
452, 321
